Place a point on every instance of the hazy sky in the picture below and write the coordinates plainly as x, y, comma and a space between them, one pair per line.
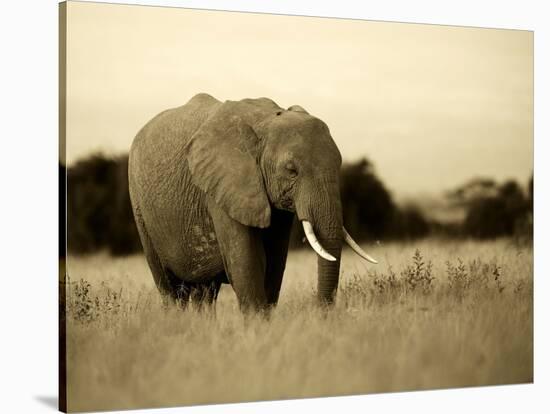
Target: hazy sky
431, 106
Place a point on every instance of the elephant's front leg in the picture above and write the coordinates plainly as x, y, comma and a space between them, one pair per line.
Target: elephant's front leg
243, 257
276, 238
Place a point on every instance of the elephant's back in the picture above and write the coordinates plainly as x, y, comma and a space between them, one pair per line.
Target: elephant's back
160, 182
158, 150
172, 128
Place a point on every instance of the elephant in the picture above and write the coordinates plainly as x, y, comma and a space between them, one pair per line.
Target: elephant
215, 187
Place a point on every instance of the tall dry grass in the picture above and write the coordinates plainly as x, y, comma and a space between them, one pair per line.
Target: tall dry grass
432, 314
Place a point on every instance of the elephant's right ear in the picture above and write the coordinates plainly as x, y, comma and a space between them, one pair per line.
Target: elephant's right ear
222, 158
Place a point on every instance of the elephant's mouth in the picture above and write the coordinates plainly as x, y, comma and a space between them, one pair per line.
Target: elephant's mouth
287, 204
320, 250
286, 201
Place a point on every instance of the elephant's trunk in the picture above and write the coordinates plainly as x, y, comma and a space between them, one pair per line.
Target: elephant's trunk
325, 216
328, 272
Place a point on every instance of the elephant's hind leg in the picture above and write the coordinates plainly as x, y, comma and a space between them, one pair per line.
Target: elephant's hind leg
164, 279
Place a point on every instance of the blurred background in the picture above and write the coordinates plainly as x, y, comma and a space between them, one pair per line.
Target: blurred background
435, 123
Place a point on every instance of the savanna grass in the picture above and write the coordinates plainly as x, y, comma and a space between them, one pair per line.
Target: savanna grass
431, 315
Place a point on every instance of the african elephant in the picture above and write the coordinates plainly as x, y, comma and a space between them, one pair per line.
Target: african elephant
215, 187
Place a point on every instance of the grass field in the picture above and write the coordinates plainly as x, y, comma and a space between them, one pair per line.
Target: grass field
432, 314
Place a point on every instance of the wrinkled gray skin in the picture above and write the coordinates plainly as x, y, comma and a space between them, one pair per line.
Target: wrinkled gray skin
214, 189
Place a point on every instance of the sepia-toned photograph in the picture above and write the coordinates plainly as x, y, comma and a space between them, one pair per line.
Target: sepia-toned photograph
264, 207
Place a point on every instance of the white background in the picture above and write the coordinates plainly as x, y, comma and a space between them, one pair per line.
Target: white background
28, 203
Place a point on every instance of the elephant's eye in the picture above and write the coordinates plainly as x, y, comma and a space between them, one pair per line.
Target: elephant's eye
291, 169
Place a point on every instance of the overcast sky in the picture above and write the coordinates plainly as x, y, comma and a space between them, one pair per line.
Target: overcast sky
431, 106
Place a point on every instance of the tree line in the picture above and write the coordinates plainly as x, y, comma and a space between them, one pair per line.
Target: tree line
99, 214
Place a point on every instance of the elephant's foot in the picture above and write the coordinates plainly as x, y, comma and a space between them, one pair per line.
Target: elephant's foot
200, 296
204, 295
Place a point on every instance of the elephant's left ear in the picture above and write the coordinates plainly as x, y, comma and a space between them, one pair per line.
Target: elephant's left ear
222, 159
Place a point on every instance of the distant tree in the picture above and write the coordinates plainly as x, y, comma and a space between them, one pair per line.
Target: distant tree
124, 236
99, 214
88, 201
368, 208
409, 223
473, 190
62, 172
524, 228
530, 192
492, 210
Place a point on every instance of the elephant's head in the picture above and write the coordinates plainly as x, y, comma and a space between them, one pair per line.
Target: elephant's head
253, 156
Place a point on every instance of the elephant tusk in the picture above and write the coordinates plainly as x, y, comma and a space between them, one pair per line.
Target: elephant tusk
312, 239
356, 247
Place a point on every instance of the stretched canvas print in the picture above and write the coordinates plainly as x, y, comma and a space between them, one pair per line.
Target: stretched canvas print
264, 207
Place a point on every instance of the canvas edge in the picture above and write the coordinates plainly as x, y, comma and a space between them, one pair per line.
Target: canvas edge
62, 346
